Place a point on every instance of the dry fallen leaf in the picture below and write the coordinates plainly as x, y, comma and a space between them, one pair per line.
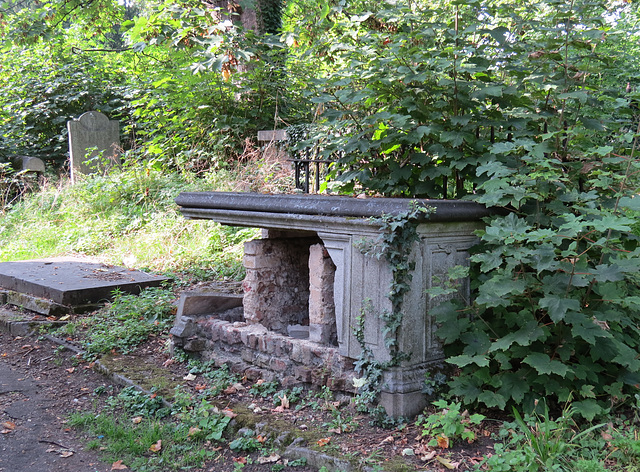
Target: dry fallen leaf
193, 431
443, 441
157, 446
447, 463
168, 362
137, 420
66, 454
64, 318
284, 402
189, 377
70, 370
230, 390
268, 459
228, 412
118, 465
200, 387
9, 425
428, 456
323, 441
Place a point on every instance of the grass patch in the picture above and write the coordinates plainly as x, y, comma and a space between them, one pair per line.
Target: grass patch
127, 218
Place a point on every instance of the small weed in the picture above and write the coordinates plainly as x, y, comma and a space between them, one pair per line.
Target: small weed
298, 462
340, 424
264, 389
246, 442
138, 403
448, 424
129, 320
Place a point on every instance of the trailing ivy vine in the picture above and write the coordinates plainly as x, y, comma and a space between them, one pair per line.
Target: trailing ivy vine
398, 234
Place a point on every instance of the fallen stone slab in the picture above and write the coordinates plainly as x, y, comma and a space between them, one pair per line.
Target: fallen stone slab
73, 281
39, 305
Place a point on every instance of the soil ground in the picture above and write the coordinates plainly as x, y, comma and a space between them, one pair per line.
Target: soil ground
54, 384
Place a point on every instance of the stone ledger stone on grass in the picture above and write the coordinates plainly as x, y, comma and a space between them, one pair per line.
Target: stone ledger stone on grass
93, 133
73, 281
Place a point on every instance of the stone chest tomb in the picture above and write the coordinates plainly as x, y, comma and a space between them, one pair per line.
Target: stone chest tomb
307, 282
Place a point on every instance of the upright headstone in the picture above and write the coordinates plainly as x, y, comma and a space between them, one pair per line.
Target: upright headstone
29, 164
96, 132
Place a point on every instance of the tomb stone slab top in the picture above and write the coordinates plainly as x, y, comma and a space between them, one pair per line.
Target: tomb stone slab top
332, 206
72, 280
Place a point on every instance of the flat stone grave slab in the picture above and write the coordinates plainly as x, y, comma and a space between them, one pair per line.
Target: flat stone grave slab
73, 281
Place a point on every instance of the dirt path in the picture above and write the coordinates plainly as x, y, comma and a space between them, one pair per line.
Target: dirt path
37, 393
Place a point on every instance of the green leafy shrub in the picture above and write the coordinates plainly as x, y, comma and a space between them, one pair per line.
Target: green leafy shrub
448, 424
509, 113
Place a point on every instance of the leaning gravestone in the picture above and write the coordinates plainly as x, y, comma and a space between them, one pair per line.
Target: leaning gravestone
95, 133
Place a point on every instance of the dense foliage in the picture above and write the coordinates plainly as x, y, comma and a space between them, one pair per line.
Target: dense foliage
526, 106
523, 106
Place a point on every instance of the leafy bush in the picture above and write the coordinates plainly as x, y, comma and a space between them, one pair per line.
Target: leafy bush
507, 111
448, 424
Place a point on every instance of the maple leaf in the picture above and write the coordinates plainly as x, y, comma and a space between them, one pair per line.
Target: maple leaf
443, 441
118, 465
157, 446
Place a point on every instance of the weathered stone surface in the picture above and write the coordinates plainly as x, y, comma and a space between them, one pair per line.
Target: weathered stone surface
344, 282
73, 281
39, 305
276, 285
29, 164
322, 315
202, 303
93, 131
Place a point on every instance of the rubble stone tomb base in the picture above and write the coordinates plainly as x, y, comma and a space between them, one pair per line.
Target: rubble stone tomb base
307, 282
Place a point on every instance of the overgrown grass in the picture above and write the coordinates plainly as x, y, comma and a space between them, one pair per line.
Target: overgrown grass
128, 218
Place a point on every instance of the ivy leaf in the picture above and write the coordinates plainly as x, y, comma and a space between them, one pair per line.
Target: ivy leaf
557, 307
632, 203
612, 222
544, 365
502, 148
